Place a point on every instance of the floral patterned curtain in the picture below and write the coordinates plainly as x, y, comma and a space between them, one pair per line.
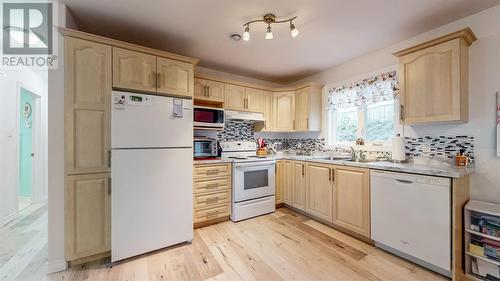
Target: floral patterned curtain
383, 87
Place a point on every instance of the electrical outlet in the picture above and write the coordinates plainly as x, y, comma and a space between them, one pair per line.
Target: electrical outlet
426, 148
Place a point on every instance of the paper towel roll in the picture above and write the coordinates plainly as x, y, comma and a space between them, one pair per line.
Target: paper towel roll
398, 149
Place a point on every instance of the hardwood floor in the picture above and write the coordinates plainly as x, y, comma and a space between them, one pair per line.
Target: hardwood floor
23, 245
280, 246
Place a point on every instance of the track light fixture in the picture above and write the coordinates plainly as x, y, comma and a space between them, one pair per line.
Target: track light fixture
270, 19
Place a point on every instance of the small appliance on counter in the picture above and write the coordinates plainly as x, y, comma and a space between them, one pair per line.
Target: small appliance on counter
208, 117
261, 150
204, 147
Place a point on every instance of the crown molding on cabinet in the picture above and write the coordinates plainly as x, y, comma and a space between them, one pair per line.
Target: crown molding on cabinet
259, 87
124, 45
465, 34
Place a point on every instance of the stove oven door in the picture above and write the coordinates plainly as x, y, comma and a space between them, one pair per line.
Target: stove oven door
253, 180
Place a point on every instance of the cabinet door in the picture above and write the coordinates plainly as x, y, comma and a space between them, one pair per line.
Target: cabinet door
234, 97
175, 77
200, 89
319, 193
87, 106
280, 173
134, 70
254, 100
288, 183
268, 100
299, 187
284, 111
351, 199
430, 84
87, 215
215, 91
302, 109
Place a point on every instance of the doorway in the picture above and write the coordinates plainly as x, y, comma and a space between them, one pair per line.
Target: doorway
29, 146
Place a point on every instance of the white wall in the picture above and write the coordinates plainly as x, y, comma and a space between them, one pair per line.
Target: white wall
56, 260
10, 80
484, 81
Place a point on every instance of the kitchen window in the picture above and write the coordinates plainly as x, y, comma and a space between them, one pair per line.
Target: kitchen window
366, 109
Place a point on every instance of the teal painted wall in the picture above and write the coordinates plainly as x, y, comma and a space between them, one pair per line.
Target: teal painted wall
26, 144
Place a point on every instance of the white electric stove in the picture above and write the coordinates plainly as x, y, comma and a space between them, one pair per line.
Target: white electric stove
253, 180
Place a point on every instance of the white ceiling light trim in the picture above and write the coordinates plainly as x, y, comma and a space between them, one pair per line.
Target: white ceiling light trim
270, 19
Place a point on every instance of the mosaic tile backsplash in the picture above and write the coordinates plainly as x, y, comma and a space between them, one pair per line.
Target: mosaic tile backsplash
442, 146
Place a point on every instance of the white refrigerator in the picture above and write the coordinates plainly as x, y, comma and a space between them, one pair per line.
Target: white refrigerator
151, 173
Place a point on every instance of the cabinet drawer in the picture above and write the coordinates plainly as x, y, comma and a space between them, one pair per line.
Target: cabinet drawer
212, 213
212, 199
212, 185
209, 171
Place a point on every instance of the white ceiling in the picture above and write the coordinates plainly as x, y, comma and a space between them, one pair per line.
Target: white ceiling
331, 31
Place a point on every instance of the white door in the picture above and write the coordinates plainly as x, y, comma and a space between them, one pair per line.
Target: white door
139, 120
253, 180
151, 200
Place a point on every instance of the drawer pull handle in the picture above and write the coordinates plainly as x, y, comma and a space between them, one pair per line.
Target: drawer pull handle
212, 214
212, 200
212, 185
212, 172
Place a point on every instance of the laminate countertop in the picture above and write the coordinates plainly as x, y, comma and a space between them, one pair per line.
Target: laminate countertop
422, 165
211, 161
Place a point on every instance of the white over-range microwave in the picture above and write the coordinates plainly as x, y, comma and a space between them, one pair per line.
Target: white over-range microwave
208, 117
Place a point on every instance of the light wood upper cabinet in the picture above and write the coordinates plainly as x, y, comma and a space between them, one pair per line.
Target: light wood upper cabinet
208, 90
268, 110
134, 70
234, 97
284, 111
308, 109
433, 80
254, 100
319, 193
200, 89
280, 176
288, 182
351, 199
174, 77
299, 185
87, 106
216, 91
87, 215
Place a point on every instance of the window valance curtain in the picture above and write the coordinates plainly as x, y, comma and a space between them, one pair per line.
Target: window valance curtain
383, 87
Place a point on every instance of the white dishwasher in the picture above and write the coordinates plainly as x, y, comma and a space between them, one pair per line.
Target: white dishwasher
410, 217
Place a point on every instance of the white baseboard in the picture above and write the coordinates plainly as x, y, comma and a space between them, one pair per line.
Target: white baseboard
56, 266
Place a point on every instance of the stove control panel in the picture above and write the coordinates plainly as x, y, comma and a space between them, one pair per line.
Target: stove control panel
238, 145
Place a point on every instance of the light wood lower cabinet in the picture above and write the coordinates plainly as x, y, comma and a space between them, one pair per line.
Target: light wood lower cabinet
280, 177
319, 190
299, 185
351, 199
87, 215
288, 182
336, 194
211, 193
